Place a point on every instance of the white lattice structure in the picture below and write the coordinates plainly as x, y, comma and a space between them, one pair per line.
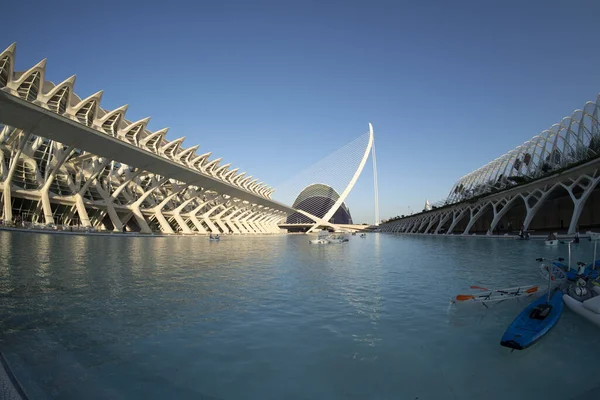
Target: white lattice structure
566, 156
64, 159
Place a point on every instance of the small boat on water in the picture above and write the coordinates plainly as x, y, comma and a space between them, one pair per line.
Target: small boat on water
594, 236
534, 321
337, 239
558, 274
496, 295
551, 242
584, 299
321, 238
363, 235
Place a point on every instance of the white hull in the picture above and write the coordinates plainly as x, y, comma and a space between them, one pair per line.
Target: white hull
578, 308
551, 242
319, 241
594, 236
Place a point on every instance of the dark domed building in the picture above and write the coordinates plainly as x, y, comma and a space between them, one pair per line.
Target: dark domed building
317, 199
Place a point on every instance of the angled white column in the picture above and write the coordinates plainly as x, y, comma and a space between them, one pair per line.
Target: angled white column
430, 223
164, 224
11, 170
238, 223
579, 202
206, 218
177, 215
252, 222
244, 221
78, 197
443, 220
538, 196
457, 216
261, 223
230, 223
135, 207
219, 222
500, 208
195, 219
44, 191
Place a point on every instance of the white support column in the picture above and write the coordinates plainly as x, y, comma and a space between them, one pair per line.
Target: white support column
135, 207
237, 221
540, 196
276, 221
457, 216
44, 191
506, 204
431, 222
252, 222
479, 210
443, 220
195, 219
261, 223
230, 223
579, 203
219, 222
164, 224
244, 221
7, 198
110, 209
177, 215
267, 223
78, 197
206, 218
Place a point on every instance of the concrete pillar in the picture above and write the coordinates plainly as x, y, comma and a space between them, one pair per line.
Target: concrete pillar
177, 215
475, 217
506, 203
7, 198
207, 221
443, 220
457, 216
44, 192
135, 207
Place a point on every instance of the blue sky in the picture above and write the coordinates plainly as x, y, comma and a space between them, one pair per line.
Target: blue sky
275, 86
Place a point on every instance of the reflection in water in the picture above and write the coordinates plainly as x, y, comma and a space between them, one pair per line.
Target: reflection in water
274, 317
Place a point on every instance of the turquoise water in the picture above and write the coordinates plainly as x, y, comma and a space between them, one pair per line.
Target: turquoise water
277, 318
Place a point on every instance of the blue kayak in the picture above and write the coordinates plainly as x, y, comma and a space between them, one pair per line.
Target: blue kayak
534, 321
572, 273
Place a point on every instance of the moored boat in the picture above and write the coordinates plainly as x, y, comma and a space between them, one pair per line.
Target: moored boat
585, 301
534, 321
496, 295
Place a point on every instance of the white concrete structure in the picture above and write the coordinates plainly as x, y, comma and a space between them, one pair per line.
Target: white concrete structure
565, 157
65, 160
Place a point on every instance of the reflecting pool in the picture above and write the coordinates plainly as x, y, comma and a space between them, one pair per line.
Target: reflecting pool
277, 318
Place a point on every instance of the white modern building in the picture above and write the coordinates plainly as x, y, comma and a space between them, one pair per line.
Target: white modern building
66, 160
548, 183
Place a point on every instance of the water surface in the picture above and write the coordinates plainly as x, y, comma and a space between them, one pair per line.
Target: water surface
277, 318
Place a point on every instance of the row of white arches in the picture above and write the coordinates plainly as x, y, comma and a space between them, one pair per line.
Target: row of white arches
31, 85
575, 139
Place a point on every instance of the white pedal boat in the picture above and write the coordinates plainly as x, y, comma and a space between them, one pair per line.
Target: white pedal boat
551, 242
588, 309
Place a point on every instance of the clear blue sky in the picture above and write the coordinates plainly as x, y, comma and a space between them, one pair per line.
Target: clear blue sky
275, 86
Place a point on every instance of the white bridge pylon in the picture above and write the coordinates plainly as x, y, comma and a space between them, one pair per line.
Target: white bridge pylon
340, 171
